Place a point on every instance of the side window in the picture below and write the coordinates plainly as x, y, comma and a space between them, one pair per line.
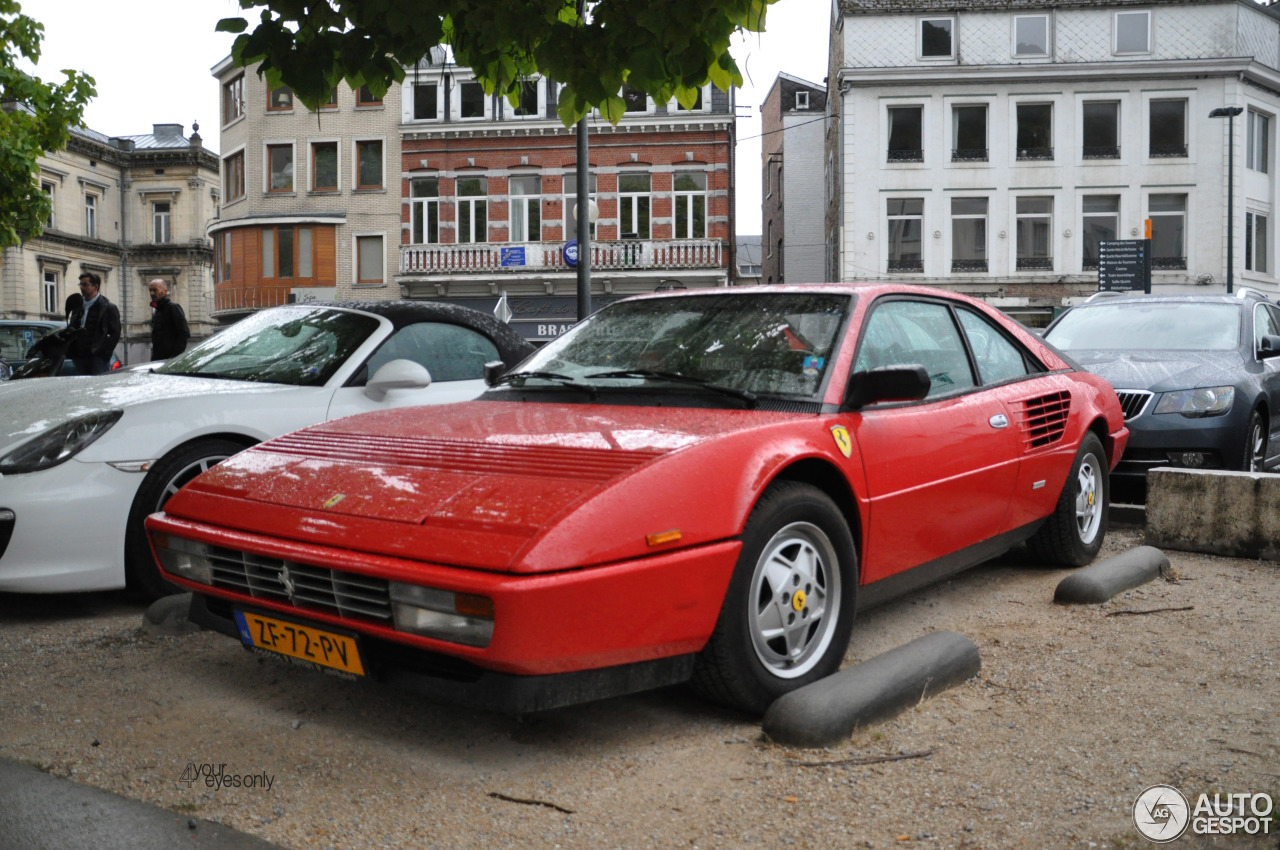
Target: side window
449, 352
998, 359
901, 333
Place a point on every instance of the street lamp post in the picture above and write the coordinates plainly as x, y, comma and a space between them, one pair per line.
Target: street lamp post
1229, 113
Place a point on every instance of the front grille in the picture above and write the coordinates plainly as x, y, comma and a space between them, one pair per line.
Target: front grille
313, 588
1133, 402
1044, 419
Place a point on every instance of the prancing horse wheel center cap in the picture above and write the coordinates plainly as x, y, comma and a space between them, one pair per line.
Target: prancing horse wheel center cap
797, 601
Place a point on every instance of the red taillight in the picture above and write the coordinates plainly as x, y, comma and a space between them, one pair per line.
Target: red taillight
116, 365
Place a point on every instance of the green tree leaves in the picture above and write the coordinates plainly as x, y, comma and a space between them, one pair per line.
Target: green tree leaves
663, 47
35, 117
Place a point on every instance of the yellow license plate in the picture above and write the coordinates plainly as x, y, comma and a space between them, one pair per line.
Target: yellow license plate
307, 643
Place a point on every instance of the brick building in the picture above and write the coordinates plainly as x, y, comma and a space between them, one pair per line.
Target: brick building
793, 120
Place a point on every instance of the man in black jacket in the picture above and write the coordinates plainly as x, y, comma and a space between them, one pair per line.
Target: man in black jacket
169, 331
98, 324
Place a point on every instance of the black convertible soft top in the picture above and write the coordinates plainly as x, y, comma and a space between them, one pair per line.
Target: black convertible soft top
512, 347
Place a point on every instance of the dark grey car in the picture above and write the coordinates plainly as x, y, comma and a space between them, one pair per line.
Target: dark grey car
1196, 375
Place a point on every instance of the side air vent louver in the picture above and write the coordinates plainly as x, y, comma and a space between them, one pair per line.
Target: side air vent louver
1044, 419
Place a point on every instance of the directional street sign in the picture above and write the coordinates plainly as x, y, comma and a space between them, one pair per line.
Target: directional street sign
1124, 265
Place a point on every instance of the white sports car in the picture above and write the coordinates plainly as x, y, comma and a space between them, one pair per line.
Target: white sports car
84, 460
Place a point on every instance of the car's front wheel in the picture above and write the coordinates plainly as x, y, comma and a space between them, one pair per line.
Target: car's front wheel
1073, 533
788, 613
1255, 450
163, 480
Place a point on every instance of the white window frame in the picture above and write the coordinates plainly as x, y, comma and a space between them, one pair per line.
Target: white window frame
1258, 149
474, 202
540, 90
649, 106
355, 164
1115, 32
49, 301
292, 145
633, 200
802, 100
233, 100
455, 105
954, 128
920, 22
420, 209
336, 142
886, 130
1185, 214
985, 218
889, 219
690, 198
161, 222
356, 254
1116, 216
1251, 251
571, 200
674, 107
518, 208
1019, 217
1048, 37
1189, 109
91, 209
51, 189
409, 109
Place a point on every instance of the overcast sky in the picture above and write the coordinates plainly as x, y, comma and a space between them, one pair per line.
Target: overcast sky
151, 61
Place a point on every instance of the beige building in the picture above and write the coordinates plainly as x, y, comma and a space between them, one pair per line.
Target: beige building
129, 209
311, 200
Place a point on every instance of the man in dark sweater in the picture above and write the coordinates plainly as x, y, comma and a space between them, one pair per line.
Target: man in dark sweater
169, 331
97, 321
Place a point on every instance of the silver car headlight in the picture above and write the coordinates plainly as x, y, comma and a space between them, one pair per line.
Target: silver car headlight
1206, 401
57, 444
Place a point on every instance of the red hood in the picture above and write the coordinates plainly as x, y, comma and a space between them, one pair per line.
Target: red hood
474, 484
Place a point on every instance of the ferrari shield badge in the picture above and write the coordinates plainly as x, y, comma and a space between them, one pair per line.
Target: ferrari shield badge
843, 443
334, 499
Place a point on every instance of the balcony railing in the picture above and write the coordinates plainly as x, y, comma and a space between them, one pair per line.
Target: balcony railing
249, 297
1165, 151
1168, 263
1100, 152
1041, 264
968, 154
968, 265
515, 257
1025, 154
905, 155
905, 266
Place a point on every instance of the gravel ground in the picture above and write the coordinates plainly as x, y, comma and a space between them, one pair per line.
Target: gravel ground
1076, 710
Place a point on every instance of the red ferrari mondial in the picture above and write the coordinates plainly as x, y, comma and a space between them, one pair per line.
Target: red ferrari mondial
703, 486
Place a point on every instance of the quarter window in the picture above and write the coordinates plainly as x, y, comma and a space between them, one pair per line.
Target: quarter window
324, 166
280, 168
906, 225
996, 357
633, 205
1258, 142
937, 38
525, 206
691, 205
473, 209
369, 164
424, 199
968, 234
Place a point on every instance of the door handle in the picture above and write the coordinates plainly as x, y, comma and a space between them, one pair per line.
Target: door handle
999, 421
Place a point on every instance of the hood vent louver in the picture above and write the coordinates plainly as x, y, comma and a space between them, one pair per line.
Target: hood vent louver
1043, 420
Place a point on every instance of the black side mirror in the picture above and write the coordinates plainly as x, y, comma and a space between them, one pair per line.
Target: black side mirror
493, 370
888, 383
1268, 347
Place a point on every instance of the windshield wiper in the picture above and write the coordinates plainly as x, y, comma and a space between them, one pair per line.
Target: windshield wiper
556, 377
676, 378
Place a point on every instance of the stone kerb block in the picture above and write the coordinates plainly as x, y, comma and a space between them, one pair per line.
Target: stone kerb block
1236, 514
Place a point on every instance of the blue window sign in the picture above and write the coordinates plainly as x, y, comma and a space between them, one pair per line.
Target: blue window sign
512, 256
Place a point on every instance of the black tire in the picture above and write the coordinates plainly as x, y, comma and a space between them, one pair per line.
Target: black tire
1255, 447
1073, 533
796, 549
162, 481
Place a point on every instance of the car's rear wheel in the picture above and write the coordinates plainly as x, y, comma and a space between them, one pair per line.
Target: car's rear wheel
788, 613
1255, 450
163, 480
1073, 533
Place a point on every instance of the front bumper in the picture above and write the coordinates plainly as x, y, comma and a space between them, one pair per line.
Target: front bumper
1160, 440
68, 528
633, 612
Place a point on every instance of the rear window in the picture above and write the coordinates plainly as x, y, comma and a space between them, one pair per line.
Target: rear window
1141, 325
16, 339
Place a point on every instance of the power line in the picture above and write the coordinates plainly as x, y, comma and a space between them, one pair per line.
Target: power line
792, 127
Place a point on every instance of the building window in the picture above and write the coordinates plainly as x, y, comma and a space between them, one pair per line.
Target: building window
424, 210
969, 134
571, 204
160, 222
1259, 141
280, 99
332, 102
324, 166
280, 168
49, 302
91, 216
1255, 242
936, 38
1035, 131
233, 100
286, 253
1031, 35
1100, 223
1167, 128
691, 204
802, 100
634, 100
1133, 32
1100, 129
364, 97
1034, 225
369, 164
369, 259
633, 205
968, 234
224, 259
471, 100
527, 100
1168, 214
48, 189
698, 103
906, 227
233, 176
906, 134
525, 203
426, 102
473, 209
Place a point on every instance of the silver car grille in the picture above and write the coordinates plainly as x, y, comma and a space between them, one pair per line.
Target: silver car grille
303, 586
1133, 402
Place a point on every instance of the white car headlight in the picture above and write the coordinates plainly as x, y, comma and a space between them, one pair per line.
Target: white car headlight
1206, 401
188, 559
57, 444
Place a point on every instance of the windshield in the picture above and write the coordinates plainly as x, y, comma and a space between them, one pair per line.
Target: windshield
302, 346
16, 339
1147, 325
764, 344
